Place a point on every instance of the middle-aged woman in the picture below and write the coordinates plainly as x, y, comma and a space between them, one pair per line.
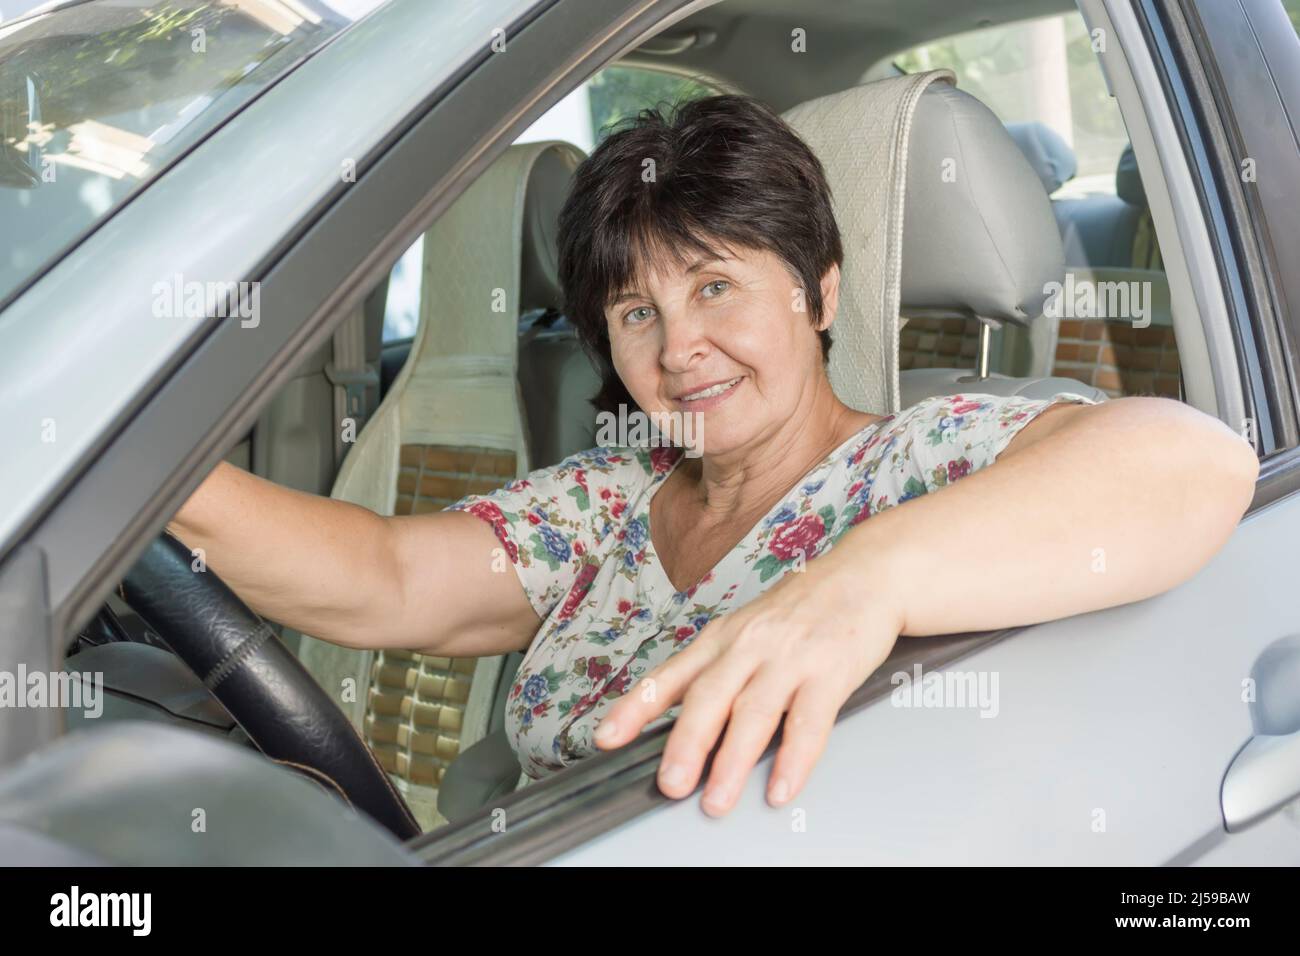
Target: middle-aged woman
743, 585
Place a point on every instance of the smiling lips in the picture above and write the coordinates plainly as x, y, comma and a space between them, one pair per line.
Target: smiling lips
714, 391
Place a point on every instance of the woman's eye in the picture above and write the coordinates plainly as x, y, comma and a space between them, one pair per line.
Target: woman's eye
715, 288
639, 315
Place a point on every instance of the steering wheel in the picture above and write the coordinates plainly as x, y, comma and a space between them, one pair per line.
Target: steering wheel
262, 685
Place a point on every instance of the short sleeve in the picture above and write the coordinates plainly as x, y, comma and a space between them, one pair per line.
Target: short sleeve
552, 522
954, 435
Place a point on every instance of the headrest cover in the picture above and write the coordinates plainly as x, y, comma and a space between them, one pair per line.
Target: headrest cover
1128, 181
861, 136
498, 235
979, 235
1048, 154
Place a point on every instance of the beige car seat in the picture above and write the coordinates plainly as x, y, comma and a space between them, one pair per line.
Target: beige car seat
452, 424
941, 216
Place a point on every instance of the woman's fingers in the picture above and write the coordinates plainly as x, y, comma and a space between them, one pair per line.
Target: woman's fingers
741, 674
707, 706
808, 726
755, 715
656, 692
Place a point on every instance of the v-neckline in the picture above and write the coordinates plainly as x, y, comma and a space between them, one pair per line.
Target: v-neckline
663, 590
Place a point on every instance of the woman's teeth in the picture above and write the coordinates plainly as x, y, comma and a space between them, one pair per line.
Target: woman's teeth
710, 391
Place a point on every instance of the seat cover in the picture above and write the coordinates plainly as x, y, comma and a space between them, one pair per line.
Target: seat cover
450, 425
861, 136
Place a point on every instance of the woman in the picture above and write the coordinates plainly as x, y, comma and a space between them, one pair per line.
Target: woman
740, 583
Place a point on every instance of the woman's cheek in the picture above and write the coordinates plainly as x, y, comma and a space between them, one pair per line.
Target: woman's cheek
753, 345
637, 367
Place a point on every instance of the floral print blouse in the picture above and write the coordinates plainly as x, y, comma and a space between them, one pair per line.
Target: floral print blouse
578, 534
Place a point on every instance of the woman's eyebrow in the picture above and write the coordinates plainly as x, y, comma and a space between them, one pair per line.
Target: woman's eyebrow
625, 296
699, 264
694, 267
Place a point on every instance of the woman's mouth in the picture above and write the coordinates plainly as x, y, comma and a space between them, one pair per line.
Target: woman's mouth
710, 395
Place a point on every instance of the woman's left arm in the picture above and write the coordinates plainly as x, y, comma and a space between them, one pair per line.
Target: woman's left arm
1089, 506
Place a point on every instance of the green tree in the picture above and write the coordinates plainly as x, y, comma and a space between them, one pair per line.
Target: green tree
620, 92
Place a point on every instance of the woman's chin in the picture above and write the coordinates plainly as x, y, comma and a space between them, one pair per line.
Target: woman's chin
711, 427
719, 438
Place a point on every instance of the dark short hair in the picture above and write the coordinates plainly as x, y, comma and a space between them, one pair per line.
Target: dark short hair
728, 172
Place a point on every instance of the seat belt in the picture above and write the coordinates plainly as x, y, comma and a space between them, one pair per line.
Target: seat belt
354, 381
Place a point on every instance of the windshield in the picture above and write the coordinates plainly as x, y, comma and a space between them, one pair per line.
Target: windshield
96, 98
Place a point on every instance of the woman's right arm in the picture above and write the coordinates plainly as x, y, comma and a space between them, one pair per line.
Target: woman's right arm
344, 574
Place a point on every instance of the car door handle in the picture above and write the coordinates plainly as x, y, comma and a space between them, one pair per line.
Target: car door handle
1264, 776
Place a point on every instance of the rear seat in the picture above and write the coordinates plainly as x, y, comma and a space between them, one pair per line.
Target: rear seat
1108, 239
1050, 156
1104, 231
1100, 230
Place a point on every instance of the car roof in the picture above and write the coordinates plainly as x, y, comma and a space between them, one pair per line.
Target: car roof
843, 39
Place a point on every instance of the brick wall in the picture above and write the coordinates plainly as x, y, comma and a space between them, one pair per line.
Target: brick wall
431, 477
1117, 358
938, 343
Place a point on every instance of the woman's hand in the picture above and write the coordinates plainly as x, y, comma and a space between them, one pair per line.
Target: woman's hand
798, 651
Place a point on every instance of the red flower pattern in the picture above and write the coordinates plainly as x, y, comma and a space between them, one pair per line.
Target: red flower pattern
797, 537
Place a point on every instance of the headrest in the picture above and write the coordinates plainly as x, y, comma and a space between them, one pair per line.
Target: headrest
548, 185
940, 214
979, 235
1048, 154
1128, 181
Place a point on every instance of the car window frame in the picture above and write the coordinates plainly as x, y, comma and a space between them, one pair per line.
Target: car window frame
1251, 92
562, 812
1203, 128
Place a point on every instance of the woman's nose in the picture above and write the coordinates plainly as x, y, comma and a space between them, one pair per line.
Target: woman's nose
684, 344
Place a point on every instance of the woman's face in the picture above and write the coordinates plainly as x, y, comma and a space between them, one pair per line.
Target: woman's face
727, 341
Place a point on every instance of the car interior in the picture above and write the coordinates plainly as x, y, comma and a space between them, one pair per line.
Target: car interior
432, 390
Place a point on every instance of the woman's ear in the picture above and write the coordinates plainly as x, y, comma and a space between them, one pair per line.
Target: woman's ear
830, 296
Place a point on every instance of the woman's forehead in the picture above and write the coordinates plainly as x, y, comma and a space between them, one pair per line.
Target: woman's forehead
660, 265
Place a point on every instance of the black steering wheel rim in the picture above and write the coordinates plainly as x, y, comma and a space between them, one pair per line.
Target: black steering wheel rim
262, 685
